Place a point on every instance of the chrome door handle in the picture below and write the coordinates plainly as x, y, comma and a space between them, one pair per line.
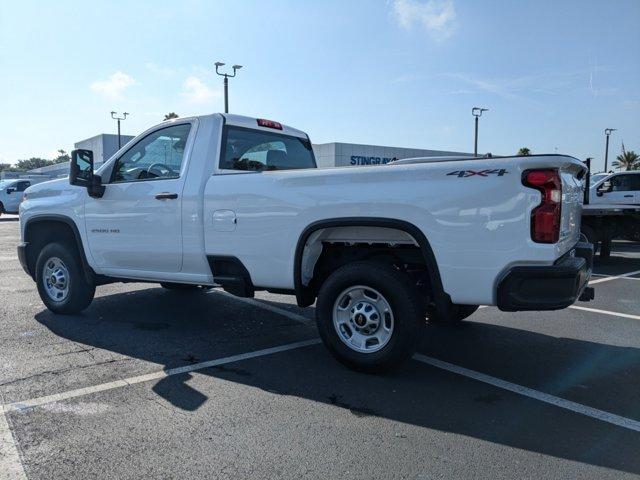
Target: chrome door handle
166, 196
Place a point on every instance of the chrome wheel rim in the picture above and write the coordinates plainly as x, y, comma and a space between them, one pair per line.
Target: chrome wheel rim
363, 319
55, 279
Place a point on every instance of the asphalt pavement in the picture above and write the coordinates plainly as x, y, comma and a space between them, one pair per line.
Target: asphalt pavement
149, 383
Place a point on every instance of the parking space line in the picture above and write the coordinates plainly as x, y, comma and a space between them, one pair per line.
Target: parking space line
11, 467
615, 277
34, 402
531, 393
606, 312
267, 306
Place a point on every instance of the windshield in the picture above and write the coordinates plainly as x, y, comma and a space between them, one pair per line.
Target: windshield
6, 183
596, 177
248, 149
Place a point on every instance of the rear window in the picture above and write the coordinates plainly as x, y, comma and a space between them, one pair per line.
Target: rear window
256, 150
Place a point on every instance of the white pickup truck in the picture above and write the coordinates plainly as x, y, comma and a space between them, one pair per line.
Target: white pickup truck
238, 202
612, 209
11, 191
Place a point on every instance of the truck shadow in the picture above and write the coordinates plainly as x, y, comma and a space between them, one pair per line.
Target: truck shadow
175, 329
620, 262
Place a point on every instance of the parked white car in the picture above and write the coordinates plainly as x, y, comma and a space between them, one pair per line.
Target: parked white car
238, 202
11, 192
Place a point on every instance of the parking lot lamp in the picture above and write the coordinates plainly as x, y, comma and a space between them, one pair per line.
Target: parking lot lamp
115, 116
477, 112
607, 132
226, 82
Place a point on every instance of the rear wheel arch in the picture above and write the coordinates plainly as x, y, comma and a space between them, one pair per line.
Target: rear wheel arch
305, 296
45, 229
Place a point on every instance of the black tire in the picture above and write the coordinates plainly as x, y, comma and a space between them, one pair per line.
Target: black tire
179, 286
605, 248
456, 314
590, 233
80, 292
401, 295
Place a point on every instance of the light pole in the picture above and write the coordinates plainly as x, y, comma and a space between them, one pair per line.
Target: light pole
226, 82
477, 112
607, 132
115, 116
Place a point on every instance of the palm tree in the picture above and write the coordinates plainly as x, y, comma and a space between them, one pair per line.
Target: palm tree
170, 115
628, 160
523, 152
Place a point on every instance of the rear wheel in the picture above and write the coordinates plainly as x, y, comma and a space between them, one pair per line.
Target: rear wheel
61, 281
368, 316
605, 248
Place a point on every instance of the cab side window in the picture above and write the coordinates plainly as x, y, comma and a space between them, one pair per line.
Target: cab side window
257, 150
625, 183
158, 156
22, 186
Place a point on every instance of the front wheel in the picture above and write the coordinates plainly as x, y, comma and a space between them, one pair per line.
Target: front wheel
61, 281
368, 316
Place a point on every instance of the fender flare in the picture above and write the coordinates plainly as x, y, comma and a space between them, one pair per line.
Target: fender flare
90, 275
303, 296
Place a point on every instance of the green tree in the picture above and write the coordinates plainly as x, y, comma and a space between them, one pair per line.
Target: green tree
170, 115
62, 157
628, 160
7, 167
524, 151
33, 162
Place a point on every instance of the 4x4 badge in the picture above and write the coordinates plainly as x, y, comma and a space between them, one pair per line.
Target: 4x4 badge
480, 173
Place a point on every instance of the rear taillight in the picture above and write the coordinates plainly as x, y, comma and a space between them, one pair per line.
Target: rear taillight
545, 218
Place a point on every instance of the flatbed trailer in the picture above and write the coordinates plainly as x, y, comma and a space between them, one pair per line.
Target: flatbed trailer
603, 223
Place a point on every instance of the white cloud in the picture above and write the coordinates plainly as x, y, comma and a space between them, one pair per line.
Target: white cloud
196, 91
437, 17
113, 86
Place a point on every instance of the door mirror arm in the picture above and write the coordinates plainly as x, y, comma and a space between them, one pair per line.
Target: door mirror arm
96, 189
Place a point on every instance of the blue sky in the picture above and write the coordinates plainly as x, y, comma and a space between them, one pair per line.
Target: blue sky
554, 74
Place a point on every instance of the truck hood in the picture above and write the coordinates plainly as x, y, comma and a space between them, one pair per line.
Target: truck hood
49, 188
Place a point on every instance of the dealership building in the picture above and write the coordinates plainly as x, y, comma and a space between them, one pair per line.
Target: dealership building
334, 154
353, 154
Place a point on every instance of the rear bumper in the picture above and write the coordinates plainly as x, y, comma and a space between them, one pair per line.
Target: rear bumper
22, 257
549, 287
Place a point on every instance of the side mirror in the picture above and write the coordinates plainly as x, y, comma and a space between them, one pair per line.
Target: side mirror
81, 167
606, 187
81, 173
10, 190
